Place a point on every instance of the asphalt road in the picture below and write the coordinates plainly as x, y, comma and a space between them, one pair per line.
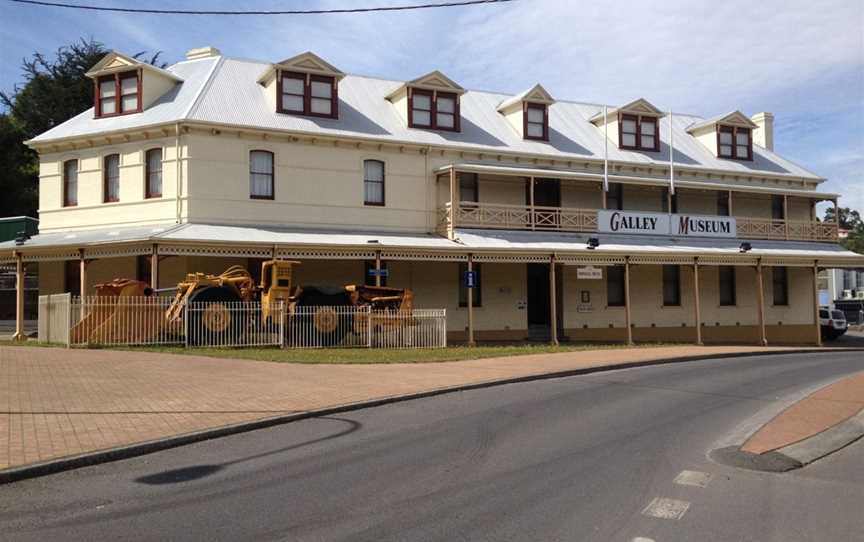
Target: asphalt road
575, 458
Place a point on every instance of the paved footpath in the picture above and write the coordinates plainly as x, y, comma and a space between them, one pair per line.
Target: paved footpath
56, 402
817, 412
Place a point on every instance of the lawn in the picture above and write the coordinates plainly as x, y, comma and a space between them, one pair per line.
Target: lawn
367, 355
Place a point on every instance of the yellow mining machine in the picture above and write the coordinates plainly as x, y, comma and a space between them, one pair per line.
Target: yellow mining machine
218, 301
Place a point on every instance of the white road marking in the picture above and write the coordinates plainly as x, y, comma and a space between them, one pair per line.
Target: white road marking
693, 478
665, 508
643, 539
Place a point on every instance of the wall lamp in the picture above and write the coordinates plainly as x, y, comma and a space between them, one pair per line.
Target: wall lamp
745, 247
593, 243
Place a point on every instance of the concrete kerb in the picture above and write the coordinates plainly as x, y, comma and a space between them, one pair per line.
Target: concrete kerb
143, 448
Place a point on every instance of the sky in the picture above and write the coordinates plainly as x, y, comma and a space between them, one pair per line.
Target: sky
799, 59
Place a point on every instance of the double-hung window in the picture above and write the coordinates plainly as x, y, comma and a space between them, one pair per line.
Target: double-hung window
468, 188
261, 175
615, 197
111, 178
70, 183
734, 142
671, 285
373, 182
723, 203
153, 173
307, 94
118, 94
536, 121
435, 110
639, 132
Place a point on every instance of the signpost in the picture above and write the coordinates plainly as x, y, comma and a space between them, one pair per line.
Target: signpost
378, 273
471, 279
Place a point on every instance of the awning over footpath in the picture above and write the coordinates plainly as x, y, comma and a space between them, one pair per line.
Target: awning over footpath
485, 245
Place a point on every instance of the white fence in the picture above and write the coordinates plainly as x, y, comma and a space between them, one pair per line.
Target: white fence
114, 321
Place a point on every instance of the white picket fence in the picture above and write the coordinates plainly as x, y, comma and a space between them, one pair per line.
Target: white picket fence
80, 321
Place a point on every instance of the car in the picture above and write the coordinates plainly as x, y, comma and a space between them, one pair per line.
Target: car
832, 323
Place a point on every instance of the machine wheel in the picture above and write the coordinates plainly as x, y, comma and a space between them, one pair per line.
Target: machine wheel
327, 325
214, 324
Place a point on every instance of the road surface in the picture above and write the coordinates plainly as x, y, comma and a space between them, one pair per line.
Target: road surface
613, 456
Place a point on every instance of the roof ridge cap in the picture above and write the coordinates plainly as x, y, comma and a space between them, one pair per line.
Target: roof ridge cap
187, 115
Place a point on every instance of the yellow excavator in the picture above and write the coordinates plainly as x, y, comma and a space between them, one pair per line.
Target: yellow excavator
106, 322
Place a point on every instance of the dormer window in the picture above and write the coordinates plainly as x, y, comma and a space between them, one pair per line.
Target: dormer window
433, 109
303, 85
118, 94
536, 121
638, 132
734, 142
307, 94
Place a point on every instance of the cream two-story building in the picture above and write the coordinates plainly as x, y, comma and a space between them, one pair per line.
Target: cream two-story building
570, 220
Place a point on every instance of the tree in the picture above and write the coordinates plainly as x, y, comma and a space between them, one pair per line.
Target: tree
54, 90
850, 220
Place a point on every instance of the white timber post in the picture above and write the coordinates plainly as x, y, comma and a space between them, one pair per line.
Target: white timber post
19, 298
816, 302
627, 300
763, 338
786, 216
470, 302
154, 267
531, 199
553, 301
82, 266
696, 301
377, 268
454, 204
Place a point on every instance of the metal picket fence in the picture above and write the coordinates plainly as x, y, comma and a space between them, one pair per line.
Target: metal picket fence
121, 321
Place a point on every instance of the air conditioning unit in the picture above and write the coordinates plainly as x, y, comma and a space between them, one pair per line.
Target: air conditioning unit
847, 294
859, 294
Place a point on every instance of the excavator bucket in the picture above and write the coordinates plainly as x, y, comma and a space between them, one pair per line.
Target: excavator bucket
115, 316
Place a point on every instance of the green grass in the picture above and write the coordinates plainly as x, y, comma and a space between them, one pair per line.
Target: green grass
367, 355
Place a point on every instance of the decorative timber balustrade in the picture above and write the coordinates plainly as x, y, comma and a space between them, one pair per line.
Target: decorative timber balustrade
523, 217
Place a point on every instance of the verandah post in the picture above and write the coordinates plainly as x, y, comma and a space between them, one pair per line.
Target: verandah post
627, 300
763, 338
696, 301
470, 302
19, 298
553, 301
816, 303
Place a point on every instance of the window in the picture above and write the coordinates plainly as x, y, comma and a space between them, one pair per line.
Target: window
468, 187
436, 110
261, 175
153, 167
70, 183
639, 133
666, 199
476, 291
72, 276
615, 286
727, 285
369, 277
615, 197
723, 203
306, 94
780, 285
118, 94
778, 209
536, 122
373, 182
734, 142
671, 286
111, 178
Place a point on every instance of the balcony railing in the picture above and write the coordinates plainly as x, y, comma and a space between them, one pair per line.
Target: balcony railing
523, 217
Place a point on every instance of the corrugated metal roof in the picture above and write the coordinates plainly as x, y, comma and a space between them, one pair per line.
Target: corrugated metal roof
231, 96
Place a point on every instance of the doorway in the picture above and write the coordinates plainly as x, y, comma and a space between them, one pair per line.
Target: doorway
539, 307
547, 193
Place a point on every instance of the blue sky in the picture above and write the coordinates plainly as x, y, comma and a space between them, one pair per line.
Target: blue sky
801, 60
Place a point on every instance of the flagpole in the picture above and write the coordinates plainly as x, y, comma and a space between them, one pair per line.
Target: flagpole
671, 156
605, 149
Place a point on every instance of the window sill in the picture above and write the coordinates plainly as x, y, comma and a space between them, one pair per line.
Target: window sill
370, 204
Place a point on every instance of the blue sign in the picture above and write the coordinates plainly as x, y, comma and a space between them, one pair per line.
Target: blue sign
471, 279
377, 272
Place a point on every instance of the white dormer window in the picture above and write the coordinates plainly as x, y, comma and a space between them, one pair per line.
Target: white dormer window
118, 94
727, 136
125, 85
303, 85
636, 125
433, 109
734, 142
536, 122
528, 113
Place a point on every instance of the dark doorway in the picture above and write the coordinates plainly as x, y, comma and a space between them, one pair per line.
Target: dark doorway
539, 308
547, 193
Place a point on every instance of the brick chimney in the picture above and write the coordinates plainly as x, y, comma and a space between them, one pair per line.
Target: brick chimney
763, 135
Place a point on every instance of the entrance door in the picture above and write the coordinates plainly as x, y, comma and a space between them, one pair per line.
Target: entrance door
547, 193
539, 308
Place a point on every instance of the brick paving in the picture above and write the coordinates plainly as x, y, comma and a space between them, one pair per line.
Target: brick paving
56, 402
817, 412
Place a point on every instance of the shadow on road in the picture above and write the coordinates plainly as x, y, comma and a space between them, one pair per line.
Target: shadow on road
197, 472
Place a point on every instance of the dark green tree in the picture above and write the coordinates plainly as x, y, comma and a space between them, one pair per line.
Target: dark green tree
850, 220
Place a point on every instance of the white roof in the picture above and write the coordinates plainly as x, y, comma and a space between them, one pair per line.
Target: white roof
490, 241
224, 90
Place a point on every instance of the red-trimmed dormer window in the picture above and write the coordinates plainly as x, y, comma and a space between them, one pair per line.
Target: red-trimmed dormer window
118, 94
307, 94
536, 121
433, 109
734, 142
638, 132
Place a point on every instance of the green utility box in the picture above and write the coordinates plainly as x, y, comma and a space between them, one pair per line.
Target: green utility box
10, 226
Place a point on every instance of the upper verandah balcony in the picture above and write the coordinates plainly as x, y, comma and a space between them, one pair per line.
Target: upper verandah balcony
541, 200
